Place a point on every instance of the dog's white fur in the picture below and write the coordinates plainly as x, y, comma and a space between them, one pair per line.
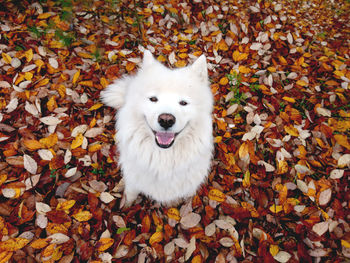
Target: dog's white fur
166, 175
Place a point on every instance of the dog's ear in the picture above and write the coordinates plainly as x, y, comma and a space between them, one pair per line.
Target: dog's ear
200, 67
114, 94
148, 59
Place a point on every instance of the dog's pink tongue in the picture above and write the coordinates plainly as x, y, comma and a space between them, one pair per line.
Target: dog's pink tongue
165, 138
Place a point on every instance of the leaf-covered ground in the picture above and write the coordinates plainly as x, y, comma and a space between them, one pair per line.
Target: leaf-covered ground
279, 188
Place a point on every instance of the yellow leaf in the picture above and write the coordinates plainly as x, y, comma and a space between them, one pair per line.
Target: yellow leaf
78, 141
243, 151
282, 167
96, 106
104, 243
44, 15
103, 82
342, 140
271, 69
283, 60
13, 244
48, 251
129, 20
243, 69
57, 254
6, 58
276, 208
28, 75
301, 83
289, 99
345, 243
236, 56
94, 147
291, 130
88, 83
174, 214
274, 250
29, 55
105, 19
216, 195
32, 145
246, 179
76, 76
40, 243
84, 55
66, 205
83, 216
156, 238
51, 104
49, 141
5, 256
42, 82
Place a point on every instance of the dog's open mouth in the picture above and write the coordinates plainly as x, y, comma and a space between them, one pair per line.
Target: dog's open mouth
164, 139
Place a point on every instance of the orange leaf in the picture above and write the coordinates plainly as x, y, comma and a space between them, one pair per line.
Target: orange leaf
13, 244
40, 243
174, 214
146, 224
289, 99
51, 104
216, 195
223, 81
42, 82
104, 243
32, 145
130, 66
83, 216
197, 259
44, 15
283, 194
156, 238
78, 141
96, 106
243, 69
342, 140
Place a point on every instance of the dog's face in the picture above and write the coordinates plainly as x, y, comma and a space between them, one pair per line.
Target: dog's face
168, 99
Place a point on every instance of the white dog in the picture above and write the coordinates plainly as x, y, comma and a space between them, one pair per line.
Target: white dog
164, 129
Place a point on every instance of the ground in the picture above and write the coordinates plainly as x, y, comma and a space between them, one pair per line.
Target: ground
278, 188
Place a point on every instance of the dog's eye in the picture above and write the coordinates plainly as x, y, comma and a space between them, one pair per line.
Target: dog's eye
183, 103
153, 99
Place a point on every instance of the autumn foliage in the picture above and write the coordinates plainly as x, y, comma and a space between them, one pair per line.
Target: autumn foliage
278, 190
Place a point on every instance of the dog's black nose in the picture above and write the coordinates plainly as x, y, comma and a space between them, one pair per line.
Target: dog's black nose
166, 120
